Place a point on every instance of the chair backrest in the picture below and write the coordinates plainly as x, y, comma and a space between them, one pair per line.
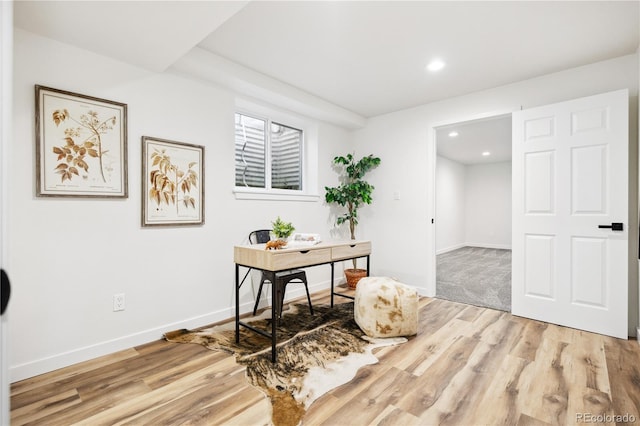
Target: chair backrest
260, 236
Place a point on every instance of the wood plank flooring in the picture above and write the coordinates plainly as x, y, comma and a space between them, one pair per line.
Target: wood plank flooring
467, 366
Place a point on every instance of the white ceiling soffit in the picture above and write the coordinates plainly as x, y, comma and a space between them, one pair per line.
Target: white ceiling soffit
148, 34
492, 134
208, 67
369, 57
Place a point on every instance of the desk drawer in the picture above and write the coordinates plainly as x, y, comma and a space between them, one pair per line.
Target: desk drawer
298, 258
350, 250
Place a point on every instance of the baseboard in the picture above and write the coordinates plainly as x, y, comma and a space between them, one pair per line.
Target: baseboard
448, 249
492, 246
65, 359
482, 245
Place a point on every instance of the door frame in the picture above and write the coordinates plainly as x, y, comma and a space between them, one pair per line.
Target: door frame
432, 149
6, 84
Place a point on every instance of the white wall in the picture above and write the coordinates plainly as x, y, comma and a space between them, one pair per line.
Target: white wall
450, 205
488, 205
473, 205
401, 231
68, 257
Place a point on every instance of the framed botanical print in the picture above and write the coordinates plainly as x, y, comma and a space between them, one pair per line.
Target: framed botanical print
81, 145
172, 183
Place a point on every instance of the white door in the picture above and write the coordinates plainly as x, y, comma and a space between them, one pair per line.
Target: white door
570, 176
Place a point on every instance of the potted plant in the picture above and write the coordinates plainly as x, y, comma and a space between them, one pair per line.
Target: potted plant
352, 193
281, 229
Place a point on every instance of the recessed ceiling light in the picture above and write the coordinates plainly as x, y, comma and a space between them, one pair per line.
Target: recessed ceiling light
486, 154
453, 134
435, 65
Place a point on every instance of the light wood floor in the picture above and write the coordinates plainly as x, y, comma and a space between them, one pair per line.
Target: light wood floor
467, 366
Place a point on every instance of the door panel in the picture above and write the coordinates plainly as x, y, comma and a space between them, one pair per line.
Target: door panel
589, 180
570, 175
539, 266
539, 182
589, 285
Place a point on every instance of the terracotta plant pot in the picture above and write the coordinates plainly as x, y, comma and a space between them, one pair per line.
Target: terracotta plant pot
354, 275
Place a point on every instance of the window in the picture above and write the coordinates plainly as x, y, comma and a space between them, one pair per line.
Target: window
268, 154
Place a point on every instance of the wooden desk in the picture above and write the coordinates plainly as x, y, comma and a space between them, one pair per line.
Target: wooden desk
255, 256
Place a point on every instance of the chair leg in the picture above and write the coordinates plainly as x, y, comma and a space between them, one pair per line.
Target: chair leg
281, 288
255, 307
308, 298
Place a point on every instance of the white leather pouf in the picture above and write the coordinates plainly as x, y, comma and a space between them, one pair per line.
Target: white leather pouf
384, 307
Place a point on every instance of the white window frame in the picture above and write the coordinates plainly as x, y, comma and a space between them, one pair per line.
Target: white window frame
309, 154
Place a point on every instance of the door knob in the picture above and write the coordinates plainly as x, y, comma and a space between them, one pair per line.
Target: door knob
615, 226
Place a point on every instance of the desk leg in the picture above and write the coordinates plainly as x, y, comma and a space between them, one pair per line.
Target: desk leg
368, 264
275, 315
237, 303
332, 270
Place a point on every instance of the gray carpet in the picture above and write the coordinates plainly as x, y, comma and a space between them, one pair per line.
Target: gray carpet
476, 276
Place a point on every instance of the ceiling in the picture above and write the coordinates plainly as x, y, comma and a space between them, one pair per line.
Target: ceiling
367, 58
143, 33
472, 138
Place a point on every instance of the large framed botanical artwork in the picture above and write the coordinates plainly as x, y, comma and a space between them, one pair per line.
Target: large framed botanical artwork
172, 183
81, 145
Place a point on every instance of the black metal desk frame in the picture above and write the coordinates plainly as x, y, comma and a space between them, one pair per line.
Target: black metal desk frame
271, 276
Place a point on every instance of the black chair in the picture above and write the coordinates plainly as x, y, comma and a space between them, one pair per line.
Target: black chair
283, 278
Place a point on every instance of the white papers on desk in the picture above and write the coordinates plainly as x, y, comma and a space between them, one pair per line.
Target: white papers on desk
303, 240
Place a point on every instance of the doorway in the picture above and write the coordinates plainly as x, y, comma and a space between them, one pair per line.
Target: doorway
473, 212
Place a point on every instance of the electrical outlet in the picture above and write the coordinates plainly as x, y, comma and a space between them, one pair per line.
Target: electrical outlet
118, 302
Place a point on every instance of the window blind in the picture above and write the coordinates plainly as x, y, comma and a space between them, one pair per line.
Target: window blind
253, 149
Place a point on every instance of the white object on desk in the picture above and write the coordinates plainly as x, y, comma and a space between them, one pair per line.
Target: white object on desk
303, 240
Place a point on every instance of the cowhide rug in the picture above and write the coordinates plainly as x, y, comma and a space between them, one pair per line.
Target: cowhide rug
315, 354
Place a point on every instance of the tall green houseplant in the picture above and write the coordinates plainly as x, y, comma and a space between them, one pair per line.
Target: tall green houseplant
353, 191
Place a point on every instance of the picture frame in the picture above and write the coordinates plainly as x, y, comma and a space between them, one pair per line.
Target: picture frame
172, 183
81, 145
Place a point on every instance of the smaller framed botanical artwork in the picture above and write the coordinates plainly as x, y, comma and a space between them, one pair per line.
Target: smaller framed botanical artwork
172, 183
81, 145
